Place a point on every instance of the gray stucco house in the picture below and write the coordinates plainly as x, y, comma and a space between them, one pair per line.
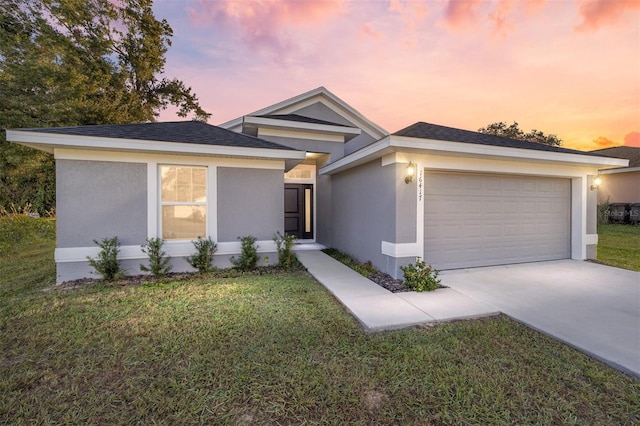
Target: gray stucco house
315, 167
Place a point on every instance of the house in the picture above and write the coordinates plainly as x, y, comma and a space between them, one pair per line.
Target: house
314, 167
621, 184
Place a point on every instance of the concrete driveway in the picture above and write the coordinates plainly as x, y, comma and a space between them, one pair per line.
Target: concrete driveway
592, 307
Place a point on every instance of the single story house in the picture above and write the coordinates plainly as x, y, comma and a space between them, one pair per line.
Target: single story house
621, 184
314, 167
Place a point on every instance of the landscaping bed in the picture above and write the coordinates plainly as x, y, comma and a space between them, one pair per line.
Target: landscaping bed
367, 270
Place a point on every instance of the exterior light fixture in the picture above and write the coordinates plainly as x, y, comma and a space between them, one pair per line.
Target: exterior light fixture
411, 170
597, 181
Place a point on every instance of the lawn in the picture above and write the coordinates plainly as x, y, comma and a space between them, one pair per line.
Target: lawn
619, 245
271, 349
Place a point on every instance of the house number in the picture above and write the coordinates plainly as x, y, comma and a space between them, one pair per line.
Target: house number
420, 185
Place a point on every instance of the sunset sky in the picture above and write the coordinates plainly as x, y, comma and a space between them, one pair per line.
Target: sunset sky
569, 67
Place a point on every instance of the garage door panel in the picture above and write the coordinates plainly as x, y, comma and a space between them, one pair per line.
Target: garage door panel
480, 220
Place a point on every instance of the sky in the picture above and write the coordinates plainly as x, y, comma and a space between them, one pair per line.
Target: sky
565, 67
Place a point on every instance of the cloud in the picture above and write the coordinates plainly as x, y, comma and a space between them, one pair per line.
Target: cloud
413, 13
604, 142
632, 139
263, 23
459, 14
598, 13
502, 25
367, 31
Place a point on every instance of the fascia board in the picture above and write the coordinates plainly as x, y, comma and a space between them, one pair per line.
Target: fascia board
73, 141
404, 142
620, 170
312, 127
369, 152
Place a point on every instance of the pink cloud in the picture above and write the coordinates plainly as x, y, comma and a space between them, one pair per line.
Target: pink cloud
598, 13
500, 18
413, 13
604, 142
632, 139
263, 23
366, 30
459, 14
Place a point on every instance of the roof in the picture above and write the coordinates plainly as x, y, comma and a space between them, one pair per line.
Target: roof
322, 95
433, 131
300, 118
193, 132
628, 152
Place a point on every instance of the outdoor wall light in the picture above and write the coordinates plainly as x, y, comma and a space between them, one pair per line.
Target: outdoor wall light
597, 181
411, 170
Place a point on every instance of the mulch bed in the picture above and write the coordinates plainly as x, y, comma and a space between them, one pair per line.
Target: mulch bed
388, 282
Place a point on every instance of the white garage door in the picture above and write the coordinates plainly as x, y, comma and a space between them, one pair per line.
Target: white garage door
481, 220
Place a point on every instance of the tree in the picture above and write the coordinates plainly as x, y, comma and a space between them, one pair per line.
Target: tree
514, 132
78, 62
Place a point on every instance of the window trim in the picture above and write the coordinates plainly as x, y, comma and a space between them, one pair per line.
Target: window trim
160, 204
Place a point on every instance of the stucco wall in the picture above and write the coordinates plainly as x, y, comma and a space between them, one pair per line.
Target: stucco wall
250, 202
364, 211
323, 217
97, 199
620, 188
334, 149
322, 112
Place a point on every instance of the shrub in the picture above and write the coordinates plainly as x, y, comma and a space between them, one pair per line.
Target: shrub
107, 263
420, 277
203, 258
248, 256
158, 259
287, 259
365, 269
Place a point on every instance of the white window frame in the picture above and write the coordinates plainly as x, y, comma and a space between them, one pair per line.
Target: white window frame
161, 204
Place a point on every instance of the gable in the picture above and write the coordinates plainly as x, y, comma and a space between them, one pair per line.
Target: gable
320, 111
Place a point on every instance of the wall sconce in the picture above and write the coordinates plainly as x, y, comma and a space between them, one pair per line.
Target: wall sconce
411, 170
597, 181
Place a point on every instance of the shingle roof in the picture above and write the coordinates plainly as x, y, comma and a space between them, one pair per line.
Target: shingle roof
300, 118
628, 152
194, 132
433, 131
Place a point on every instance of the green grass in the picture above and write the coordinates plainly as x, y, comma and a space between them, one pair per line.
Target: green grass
619, 245
275, 349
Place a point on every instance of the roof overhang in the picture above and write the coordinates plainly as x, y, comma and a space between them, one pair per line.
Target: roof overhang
322, 95
49, 141
250, 122
393, 143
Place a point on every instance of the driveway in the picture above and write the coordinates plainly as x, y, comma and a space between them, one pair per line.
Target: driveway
592, 307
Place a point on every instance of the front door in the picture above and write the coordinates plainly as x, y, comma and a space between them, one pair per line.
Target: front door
298, 210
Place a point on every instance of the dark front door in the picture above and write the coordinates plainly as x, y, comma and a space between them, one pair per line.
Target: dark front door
298, 210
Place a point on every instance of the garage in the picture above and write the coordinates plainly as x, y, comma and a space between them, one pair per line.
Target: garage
475, 220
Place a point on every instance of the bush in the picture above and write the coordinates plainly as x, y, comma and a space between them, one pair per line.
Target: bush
248, 256
420, 277
19, 232
287, 259
107, 263
203, 258
158, 259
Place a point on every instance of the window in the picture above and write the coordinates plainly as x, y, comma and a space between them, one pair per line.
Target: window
183, 202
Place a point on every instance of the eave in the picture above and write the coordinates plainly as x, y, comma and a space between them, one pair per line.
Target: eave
48, 141
392, 143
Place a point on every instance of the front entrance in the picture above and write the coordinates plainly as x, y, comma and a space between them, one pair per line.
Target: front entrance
298, 210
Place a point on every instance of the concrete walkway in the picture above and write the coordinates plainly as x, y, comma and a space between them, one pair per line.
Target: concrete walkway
378, 309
